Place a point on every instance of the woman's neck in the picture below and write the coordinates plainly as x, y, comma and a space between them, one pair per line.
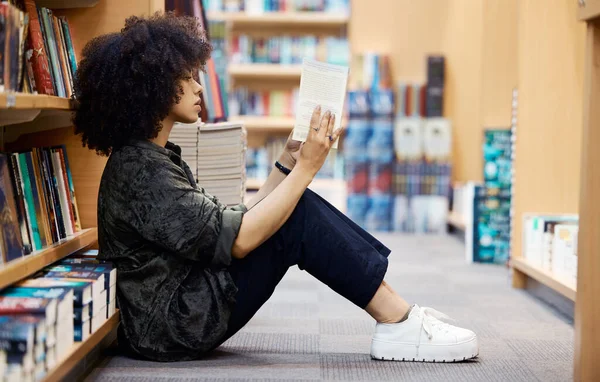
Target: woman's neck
163, 135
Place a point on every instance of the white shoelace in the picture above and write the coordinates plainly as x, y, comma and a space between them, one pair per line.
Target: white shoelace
431, 321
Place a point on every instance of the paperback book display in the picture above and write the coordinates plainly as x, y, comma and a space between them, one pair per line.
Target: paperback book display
38, 55
260, 6
397, 160
43, 316
289, 49
39, 207
215, 153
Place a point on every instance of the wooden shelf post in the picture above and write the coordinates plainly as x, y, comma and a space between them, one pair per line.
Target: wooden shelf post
587, 309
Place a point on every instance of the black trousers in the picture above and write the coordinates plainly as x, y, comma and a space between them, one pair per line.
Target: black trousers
319, 239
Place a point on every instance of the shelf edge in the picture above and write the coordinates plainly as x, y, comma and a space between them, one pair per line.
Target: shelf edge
544, 277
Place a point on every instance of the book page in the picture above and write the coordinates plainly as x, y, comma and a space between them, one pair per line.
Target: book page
321, 84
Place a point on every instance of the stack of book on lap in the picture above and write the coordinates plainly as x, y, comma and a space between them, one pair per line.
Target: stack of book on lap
217, 159
41, 317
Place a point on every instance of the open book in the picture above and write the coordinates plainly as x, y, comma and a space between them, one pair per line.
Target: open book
321, 84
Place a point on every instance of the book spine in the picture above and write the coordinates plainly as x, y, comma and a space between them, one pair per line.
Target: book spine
45, 16
55, 197
69, 41
62, 151
3, 38
62, 55
29, 207
62, 192
37, 201
48, 203
20, 203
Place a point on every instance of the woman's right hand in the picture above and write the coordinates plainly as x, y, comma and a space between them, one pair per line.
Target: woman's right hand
318, 143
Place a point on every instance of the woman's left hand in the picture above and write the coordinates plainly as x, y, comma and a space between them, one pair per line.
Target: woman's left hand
291, 152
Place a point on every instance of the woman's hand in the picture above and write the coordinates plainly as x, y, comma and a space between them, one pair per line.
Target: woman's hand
290, 154
320, 138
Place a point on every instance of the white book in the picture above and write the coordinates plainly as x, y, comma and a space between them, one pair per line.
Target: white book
320, 84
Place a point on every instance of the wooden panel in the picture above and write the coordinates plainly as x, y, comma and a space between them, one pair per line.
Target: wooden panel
587, 310
406, 30
19, 269
550, 82
282, 19
588, 9
106, 17
499, 62
462, 44
33, 101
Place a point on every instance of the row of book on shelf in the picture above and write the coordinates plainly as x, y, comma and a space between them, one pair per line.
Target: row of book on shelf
485, 207
38, 55
397, 150
212, 79
289, 49
38, 201
260, 6
42, 317
273, 103
550, 243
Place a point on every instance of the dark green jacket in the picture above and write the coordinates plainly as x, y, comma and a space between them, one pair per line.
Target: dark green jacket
171, 244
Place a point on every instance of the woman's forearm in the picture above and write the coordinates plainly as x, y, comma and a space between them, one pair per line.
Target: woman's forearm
266, 217
275, 177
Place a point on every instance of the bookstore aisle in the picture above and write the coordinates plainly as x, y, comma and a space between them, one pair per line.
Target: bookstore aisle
307, 332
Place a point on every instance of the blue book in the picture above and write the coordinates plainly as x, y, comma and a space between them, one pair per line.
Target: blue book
63, 297
82, 290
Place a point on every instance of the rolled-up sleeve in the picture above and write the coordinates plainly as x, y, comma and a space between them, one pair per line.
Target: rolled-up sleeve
172, 214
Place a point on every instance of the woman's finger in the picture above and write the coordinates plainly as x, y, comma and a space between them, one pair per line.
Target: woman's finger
315, 120
324, 123
330, 126
336, 134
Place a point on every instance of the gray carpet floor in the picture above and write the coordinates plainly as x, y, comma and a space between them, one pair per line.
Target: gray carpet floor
306, 332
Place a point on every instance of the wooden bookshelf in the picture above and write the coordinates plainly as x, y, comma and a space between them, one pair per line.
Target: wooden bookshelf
16, 270
273, 71
80, 350
456, 221
266, 124
22, 101
545, 277
66, 4
281, 19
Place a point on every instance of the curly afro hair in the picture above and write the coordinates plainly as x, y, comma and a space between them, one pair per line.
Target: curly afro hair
127, 82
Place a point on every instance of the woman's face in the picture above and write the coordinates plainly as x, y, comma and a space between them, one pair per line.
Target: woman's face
186, 111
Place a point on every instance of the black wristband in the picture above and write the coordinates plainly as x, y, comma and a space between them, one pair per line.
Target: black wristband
282, 168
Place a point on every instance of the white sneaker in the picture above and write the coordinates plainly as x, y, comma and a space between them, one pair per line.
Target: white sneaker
422, 337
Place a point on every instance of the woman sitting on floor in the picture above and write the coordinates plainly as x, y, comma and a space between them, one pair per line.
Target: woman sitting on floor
193, 272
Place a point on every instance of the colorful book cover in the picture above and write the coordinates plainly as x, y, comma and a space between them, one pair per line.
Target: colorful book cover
17, 337
48, 209
36, 52
53, 188
82, 290
67, 34
35, 306
70, 187
62, 191
20, 202
29, 203
37, 203
46, 17
11, 244
41, 193
110, 273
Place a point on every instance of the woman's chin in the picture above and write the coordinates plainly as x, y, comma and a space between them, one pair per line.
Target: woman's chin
188, 119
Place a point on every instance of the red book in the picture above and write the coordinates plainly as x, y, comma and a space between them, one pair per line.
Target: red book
36, 52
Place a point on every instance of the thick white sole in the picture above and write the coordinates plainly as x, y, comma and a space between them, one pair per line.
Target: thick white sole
394, 351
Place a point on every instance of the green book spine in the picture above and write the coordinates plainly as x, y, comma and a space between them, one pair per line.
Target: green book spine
27, 191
